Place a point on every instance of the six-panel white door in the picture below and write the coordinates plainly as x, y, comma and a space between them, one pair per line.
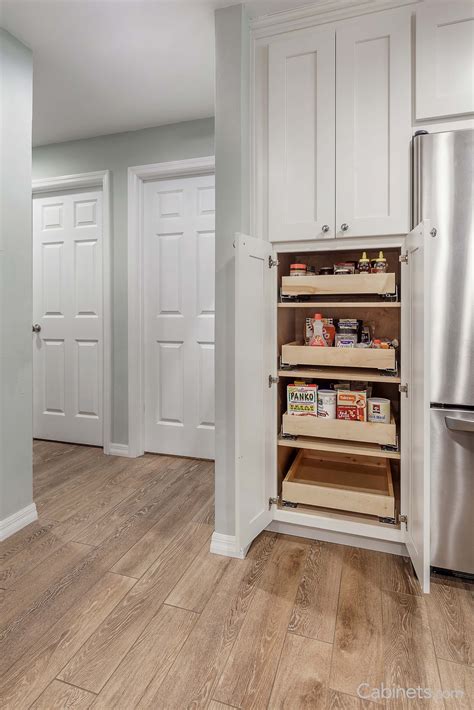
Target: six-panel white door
373, 126
179, 316
67, 306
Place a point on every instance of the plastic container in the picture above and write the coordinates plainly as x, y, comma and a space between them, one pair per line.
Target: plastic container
364, 264
379, 265
327, 404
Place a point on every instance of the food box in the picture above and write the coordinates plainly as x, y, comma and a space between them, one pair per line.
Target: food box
302, 399
352, 405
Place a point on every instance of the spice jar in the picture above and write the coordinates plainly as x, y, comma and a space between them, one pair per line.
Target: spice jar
379, 265
298, 269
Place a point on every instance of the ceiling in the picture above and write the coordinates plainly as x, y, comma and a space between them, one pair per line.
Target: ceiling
105, 66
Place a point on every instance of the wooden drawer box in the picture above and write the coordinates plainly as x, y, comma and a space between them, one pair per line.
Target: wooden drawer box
337, 284
367, 432
358, 484
298, 354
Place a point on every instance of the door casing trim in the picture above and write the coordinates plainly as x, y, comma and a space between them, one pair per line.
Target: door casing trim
137, 177
100, 179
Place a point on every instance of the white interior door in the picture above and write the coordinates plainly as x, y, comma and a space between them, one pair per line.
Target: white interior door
301, 142
255, 360
67, 307
415, 434
179, 218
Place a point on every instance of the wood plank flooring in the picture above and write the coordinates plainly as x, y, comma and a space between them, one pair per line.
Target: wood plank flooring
112, 600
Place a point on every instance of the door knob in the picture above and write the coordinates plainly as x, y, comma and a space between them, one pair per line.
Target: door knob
344, 227
325, 228
36, 328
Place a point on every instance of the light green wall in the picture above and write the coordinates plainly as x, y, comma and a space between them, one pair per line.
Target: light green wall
118, 152
15, 276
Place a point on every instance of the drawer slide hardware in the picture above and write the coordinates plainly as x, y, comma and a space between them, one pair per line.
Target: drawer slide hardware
404, 389
272, 262
273, 501
273, 380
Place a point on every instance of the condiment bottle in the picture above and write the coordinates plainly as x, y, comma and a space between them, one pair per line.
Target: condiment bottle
379, 265
364, 263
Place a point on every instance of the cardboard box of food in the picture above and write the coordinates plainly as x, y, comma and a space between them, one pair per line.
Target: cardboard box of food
352, 405
302, 399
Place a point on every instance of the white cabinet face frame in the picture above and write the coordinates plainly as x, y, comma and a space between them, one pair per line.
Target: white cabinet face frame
137, 176
301, 136
444, 59
373, 116
101, 180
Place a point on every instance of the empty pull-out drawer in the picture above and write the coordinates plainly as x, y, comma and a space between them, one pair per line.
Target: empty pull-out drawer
298, 354
296, 425
337, 284
356, 484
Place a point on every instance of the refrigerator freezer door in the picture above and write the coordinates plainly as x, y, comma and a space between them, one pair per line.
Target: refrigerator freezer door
452, 490
444, 194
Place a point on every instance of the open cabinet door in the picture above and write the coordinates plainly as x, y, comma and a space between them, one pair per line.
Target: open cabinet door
255, 360
415, 334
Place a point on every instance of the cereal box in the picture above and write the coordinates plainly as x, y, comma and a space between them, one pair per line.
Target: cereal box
352, 405
302, 399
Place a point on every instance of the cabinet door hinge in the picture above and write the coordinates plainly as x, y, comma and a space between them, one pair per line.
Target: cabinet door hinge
403, 388
273, 380
402, 519
403, 258
272, 262
273, 501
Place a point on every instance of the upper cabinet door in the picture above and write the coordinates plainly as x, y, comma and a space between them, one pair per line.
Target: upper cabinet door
255, 360
301, 125
415, 434
444, 59
373, 99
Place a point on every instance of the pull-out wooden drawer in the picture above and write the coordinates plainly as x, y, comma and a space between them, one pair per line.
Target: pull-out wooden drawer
337, 284
340, 429
357, 484
298, 354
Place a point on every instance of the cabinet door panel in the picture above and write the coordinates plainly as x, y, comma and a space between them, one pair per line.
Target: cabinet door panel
444, 59
301, 137
373, 125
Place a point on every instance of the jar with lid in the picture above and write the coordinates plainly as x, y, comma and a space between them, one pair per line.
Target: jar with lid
298, 269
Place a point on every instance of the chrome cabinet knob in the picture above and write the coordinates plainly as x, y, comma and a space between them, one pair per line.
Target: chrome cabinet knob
325, 228
344, 227
36, 328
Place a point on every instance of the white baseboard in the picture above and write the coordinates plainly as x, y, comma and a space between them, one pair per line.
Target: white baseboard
226, 545
17, 521
338, 538
118, 450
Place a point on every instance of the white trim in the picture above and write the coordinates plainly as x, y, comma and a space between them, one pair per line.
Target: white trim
101, 179
119, 450
137, 176
227, 545
321, 13
17, 521
338, 538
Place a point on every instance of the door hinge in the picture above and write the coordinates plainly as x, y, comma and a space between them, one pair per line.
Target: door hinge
273, 501
403, 258
403, 388
403, 519
272, 262
273, 380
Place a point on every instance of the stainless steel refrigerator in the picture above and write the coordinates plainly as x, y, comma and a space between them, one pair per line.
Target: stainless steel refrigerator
444, 193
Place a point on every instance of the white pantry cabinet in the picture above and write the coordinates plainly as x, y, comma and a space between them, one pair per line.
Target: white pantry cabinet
341, 479
444, 59
339, 128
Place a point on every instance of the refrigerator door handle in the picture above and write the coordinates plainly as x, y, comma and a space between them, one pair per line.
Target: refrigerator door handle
459, 424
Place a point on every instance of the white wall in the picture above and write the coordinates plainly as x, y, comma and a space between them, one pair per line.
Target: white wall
118, 152
15, 277
232, 203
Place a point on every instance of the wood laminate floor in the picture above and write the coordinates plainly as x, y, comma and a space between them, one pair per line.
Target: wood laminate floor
112, 600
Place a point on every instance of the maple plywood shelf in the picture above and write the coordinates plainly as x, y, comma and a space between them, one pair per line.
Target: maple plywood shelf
339, 304
338, 446
296, 353
314, 285
358, 484
367, 432
340, 373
